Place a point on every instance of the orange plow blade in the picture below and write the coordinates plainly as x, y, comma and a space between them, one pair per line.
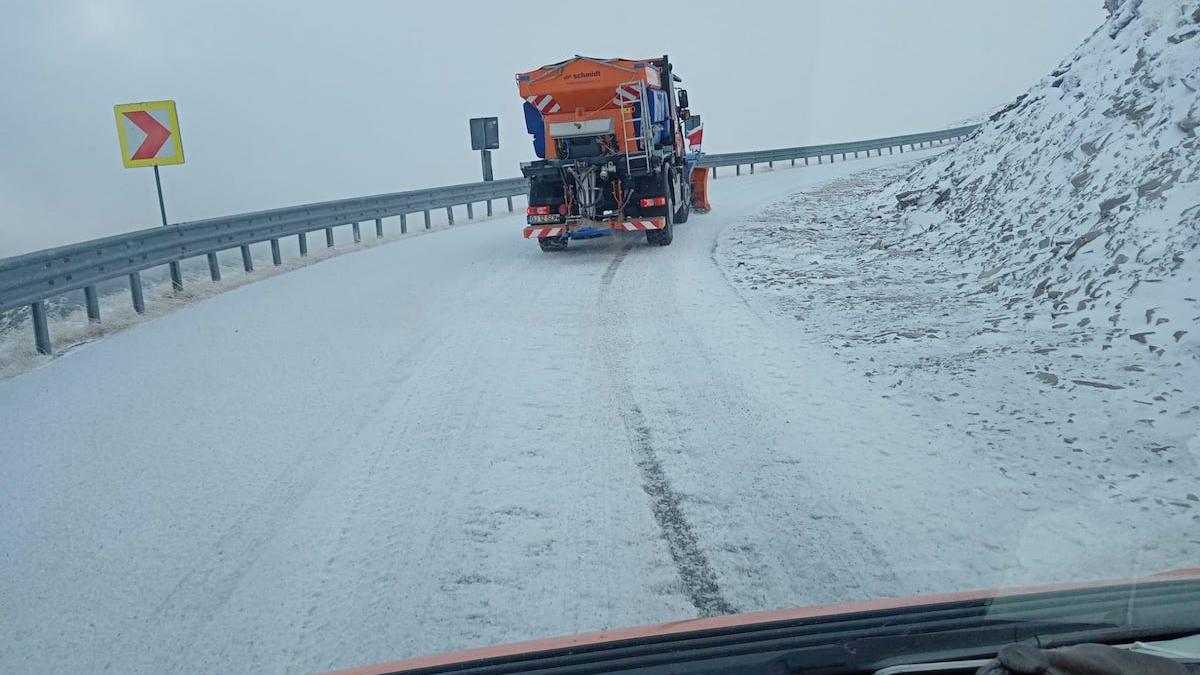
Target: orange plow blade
700, 190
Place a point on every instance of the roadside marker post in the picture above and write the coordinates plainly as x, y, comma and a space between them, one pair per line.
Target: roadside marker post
149, 136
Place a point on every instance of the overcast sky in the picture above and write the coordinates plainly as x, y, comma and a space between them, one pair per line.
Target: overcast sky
293, 102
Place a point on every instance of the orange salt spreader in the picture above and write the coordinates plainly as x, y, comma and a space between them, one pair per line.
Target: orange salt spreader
612, 137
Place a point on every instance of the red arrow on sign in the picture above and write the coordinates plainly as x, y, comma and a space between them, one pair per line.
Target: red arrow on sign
156, 134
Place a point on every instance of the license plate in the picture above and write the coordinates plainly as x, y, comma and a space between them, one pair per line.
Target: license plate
537, 220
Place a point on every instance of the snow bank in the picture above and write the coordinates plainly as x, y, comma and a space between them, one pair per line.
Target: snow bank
1080, 202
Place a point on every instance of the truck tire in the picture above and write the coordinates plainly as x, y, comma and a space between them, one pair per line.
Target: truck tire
664, 236
549, 244
685, 208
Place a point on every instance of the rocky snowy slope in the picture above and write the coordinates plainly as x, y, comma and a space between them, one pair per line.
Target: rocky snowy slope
1031, 295
1081, 201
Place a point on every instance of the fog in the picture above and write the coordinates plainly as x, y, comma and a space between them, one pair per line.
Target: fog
286, 103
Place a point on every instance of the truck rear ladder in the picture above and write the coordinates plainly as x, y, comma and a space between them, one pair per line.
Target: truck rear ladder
634, 120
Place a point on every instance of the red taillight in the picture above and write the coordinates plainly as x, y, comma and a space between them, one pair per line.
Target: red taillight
538, 210
654, 201
563, 210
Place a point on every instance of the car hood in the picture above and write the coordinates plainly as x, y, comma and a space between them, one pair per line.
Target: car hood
679, 628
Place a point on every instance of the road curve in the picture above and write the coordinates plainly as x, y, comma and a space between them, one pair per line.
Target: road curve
449, 441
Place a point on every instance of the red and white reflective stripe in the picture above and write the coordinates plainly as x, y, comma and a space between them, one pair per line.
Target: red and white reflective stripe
695, 136
626, 93
636, 225
544, 103
543, 232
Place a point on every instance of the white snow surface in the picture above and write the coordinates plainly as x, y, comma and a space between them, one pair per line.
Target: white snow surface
458, 440
449, 441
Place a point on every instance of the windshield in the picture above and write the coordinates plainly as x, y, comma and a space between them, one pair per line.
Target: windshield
338, 334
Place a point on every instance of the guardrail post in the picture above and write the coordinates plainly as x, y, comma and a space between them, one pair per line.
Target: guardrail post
831, 159
357, 233
135, 292
427, 219
714, 172
93, 304
403, 223
805, 161
489, 208
450, 214
303, 239
891, 150
738, 170
329, 237
509, 200
41, 332
470, 211
751, 168
771, 165
176, 275
379, 228
247, 261
276, 258
214, 267
793, 161
843, 156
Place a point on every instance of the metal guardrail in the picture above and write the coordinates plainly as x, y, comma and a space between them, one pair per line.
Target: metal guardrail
819, 152
31, 279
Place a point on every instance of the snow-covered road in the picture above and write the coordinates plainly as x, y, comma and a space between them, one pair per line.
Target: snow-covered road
457, 440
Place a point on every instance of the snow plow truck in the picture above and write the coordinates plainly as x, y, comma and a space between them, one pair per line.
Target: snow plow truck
612, 141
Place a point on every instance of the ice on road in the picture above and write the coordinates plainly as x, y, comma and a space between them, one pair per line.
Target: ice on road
457, 440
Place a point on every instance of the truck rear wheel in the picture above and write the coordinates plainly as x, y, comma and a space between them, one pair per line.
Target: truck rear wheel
664, 236
685, 207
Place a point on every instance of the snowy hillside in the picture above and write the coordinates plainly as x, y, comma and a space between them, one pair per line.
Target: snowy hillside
1032, 297
1080, 203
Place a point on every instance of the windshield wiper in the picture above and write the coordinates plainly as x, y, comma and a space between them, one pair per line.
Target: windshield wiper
957, 644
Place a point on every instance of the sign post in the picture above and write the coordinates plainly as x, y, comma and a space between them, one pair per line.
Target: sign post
149, 136
485, 137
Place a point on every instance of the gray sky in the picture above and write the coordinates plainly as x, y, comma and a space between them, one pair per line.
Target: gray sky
285, 103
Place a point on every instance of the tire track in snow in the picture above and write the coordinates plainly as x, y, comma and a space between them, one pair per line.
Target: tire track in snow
694, 570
